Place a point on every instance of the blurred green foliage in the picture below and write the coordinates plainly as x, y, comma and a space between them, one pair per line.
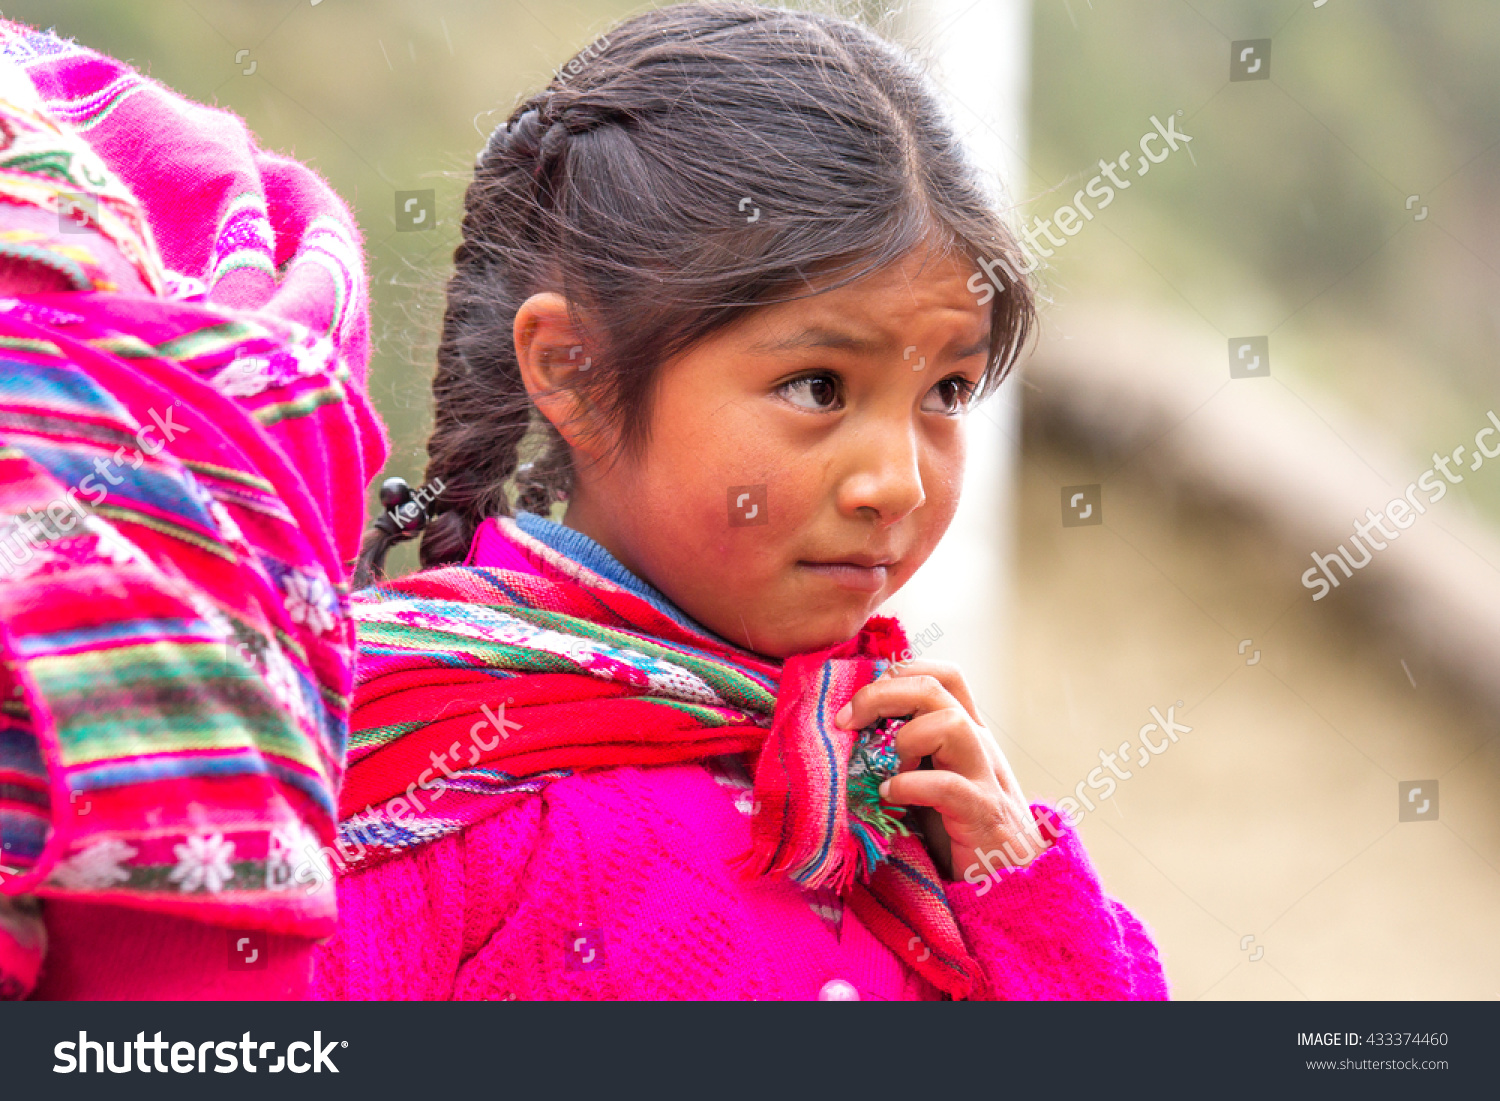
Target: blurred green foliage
1291, 217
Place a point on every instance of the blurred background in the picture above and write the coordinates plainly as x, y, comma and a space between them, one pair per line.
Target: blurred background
1337, 207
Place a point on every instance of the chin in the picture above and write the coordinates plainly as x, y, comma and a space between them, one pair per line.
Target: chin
799, 624
828, 631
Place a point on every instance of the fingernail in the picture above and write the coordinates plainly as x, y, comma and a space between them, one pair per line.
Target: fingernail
845, 714
885, 789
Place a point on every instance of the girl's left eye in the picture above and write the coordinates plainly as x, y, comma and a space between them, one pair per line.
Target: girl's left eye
952, 395
816, 393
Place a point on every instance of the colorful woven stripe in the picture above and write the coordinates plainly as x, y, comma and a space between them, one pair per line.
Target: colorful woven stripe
478, 685
175, 770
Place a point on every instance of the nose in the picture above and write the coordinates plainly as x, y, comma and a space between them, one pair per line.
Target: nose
884, 475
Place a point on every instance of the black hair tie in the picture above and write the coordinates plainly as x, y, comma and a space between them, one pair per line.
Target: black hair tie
404, 515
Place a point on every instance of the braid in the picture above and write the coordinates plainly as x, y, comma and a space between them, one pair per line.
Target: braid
483, 414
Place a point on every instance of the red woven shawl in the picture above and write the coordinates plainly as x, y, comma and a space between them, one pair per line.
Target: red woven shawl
477, 685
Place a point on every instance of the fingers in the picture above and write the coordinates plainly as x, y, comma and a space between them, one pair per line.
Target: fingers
974, 821
969, 798
966, 809
924, 693
945, 673
890, 697
952, 679
950, 739
971, 785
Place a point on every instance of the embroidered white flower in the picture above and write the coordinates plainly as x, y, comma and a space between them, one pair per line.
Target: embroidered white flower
185, 288
95, 868
310, 600
203, 863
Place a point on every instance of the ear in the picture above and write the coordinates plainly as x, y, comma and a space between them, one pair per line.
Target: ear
552, 354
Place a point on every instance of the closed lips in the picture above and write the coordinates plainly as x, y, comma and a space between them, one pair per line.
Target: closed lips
861, 573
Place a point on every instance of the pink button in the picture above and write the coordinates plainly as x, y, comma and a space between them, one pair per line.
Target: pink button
838, 990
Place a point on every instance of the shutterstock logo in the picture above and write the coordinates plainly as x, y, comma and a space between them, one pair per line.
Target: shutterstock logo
250, 1055
248, 950
747, 506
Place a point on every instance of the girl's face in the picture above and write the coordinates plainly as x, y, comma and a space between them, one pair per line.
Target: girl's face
803, 462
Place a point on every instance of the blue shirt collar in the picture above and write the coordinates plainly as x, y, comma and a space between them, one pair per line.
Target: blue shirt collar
586, 552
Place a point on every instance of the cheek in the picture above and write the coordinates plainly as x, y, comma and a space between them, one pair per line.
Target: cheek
720, 480
942, 478
682, 504
947, 487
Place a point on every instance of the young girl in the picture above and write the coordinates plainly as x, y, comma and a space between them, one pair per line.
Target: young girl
716, 295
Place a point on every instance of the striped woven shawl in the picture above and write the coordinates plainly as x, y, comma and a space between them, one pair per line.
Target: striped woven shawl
477, 686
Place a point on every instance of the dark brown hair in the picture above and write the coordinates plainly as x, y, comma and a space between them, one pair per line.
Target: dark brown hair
695, 162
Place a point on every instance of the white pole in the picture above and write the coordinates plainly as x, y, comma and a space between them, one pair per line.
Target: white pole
979, 54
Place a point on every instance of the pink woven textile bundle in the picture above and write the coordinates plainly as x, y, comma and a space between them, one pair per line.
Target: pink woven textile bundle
178, 649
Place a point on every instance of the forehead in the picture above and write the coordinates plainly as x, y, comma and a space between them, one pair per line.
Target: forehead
877, 310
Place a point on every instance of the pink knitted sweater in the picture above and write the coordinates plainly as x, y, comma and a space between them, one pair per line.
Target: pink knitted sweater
619, 884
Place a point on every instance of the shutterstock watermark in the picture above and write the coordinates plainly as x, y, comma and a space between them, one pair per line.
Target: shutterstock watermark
186, 1057
317, 869
19, 545
1401, 511
1156, 145
1105, 780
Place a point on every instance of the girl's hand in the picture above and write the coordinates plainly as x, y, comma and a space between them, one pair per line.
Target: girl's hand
976, 804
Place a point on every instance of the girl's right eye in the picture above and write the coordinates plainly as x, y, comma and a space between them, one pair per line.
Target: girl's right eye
816, 393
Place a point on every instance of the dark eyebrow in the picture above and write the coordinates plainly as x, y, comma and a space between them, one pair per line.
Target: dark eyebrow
817, 338
832, 338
